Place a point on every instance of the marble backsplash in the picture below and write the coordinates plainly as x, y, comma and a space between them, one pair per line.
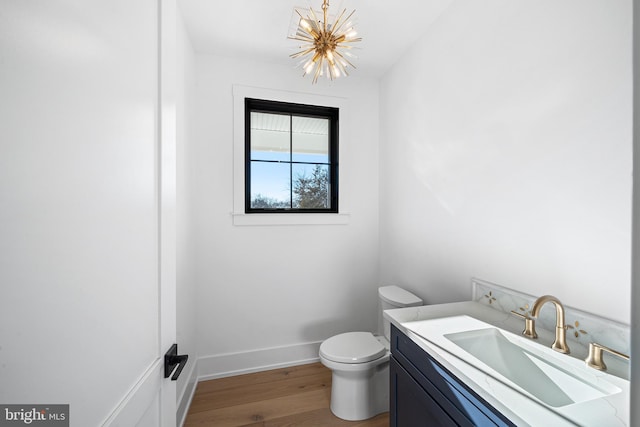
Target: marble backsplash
582, 327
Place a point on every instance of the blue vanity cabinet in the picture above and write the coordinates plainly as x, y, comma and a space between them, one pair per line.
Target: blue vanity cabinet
423, 393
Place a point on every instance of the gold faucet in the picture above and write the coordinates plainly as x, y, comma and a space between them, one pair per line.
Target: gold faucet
595, 360
560, 344
529, 325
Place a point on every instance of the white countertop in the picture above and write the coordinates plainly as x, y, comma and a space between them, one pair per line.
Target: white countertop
522, 410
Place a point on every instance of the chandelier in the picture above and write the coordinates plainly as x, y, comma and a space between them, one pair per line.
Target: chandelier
325, 46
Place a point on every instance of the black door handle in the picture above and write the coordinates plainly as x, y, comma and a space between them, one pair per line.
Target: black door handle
171, 360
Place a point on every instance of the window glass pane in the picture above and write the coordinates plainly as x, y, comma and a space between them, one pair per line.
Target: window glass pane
289, 161
311, 186
270, 136
270, 185
310, 139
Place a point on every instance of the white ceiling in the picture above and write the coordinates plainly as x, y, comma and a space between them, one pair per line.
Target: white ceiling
258, 29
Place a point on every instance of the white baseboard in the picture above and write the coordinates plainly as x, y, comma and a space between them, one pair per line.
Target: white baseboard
184, 399
226, 365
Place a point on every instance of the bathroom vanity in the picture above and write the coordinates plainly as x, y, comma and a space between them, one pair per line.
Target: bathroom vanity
423, 392
467, 364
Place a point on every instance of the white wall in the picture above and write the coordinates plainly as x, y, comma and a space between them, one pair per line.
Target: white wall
262, 287
506, 154
186, 271
78, 202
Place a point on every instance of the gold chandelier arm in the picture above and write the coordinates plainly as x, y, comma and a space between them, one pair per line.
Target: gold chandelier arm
303, 20
338, 27
342, 68
314, 21
302, 53
344, 59
330, 71
302, 38
318, 70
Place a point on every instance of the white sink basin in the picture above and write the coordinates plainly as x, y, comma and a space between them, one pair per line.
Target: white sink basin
553, 378
543, 378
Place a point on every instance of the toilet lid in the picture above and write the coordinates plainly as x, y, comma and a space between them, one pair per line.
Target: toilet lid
398, 297
352, 347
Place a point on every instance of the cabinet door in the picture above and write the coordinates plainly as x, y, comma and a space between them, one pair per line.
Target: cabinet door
457, 400
411, 405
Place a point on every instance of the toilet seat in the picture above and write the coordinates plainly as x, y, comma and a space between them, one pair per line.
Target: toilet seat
352, 347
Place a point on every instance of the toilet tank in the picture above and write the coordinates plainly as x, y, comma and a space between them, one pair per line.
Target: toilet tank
393, 297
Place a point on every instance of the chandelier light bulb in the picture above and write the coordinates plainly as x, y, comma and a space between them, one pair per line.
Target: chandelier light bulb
309, 67
305, 24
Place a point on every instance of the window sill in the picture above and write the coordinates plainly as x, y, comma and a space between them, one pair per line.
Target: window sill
242, 219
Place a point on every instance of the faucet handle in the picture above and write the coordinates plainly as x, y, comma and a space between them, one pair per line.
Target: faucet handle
595, 359
529, 325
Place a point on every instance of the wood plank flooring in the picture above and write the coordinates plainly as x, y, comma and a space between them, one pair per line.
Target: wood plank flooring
296, 396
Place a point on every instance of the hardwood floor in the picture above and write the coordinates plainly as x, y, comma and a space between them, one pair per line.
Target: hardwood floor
296, 396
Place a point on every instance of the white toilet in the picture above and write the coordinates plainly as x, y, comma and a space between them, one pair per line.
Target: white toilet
360, 362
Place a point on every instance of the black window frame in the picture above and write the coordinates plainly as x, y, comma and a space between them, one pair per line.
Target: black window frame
300, 110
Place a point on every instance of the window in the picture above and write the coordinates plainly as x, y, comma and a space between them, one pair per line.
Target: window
291, 157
